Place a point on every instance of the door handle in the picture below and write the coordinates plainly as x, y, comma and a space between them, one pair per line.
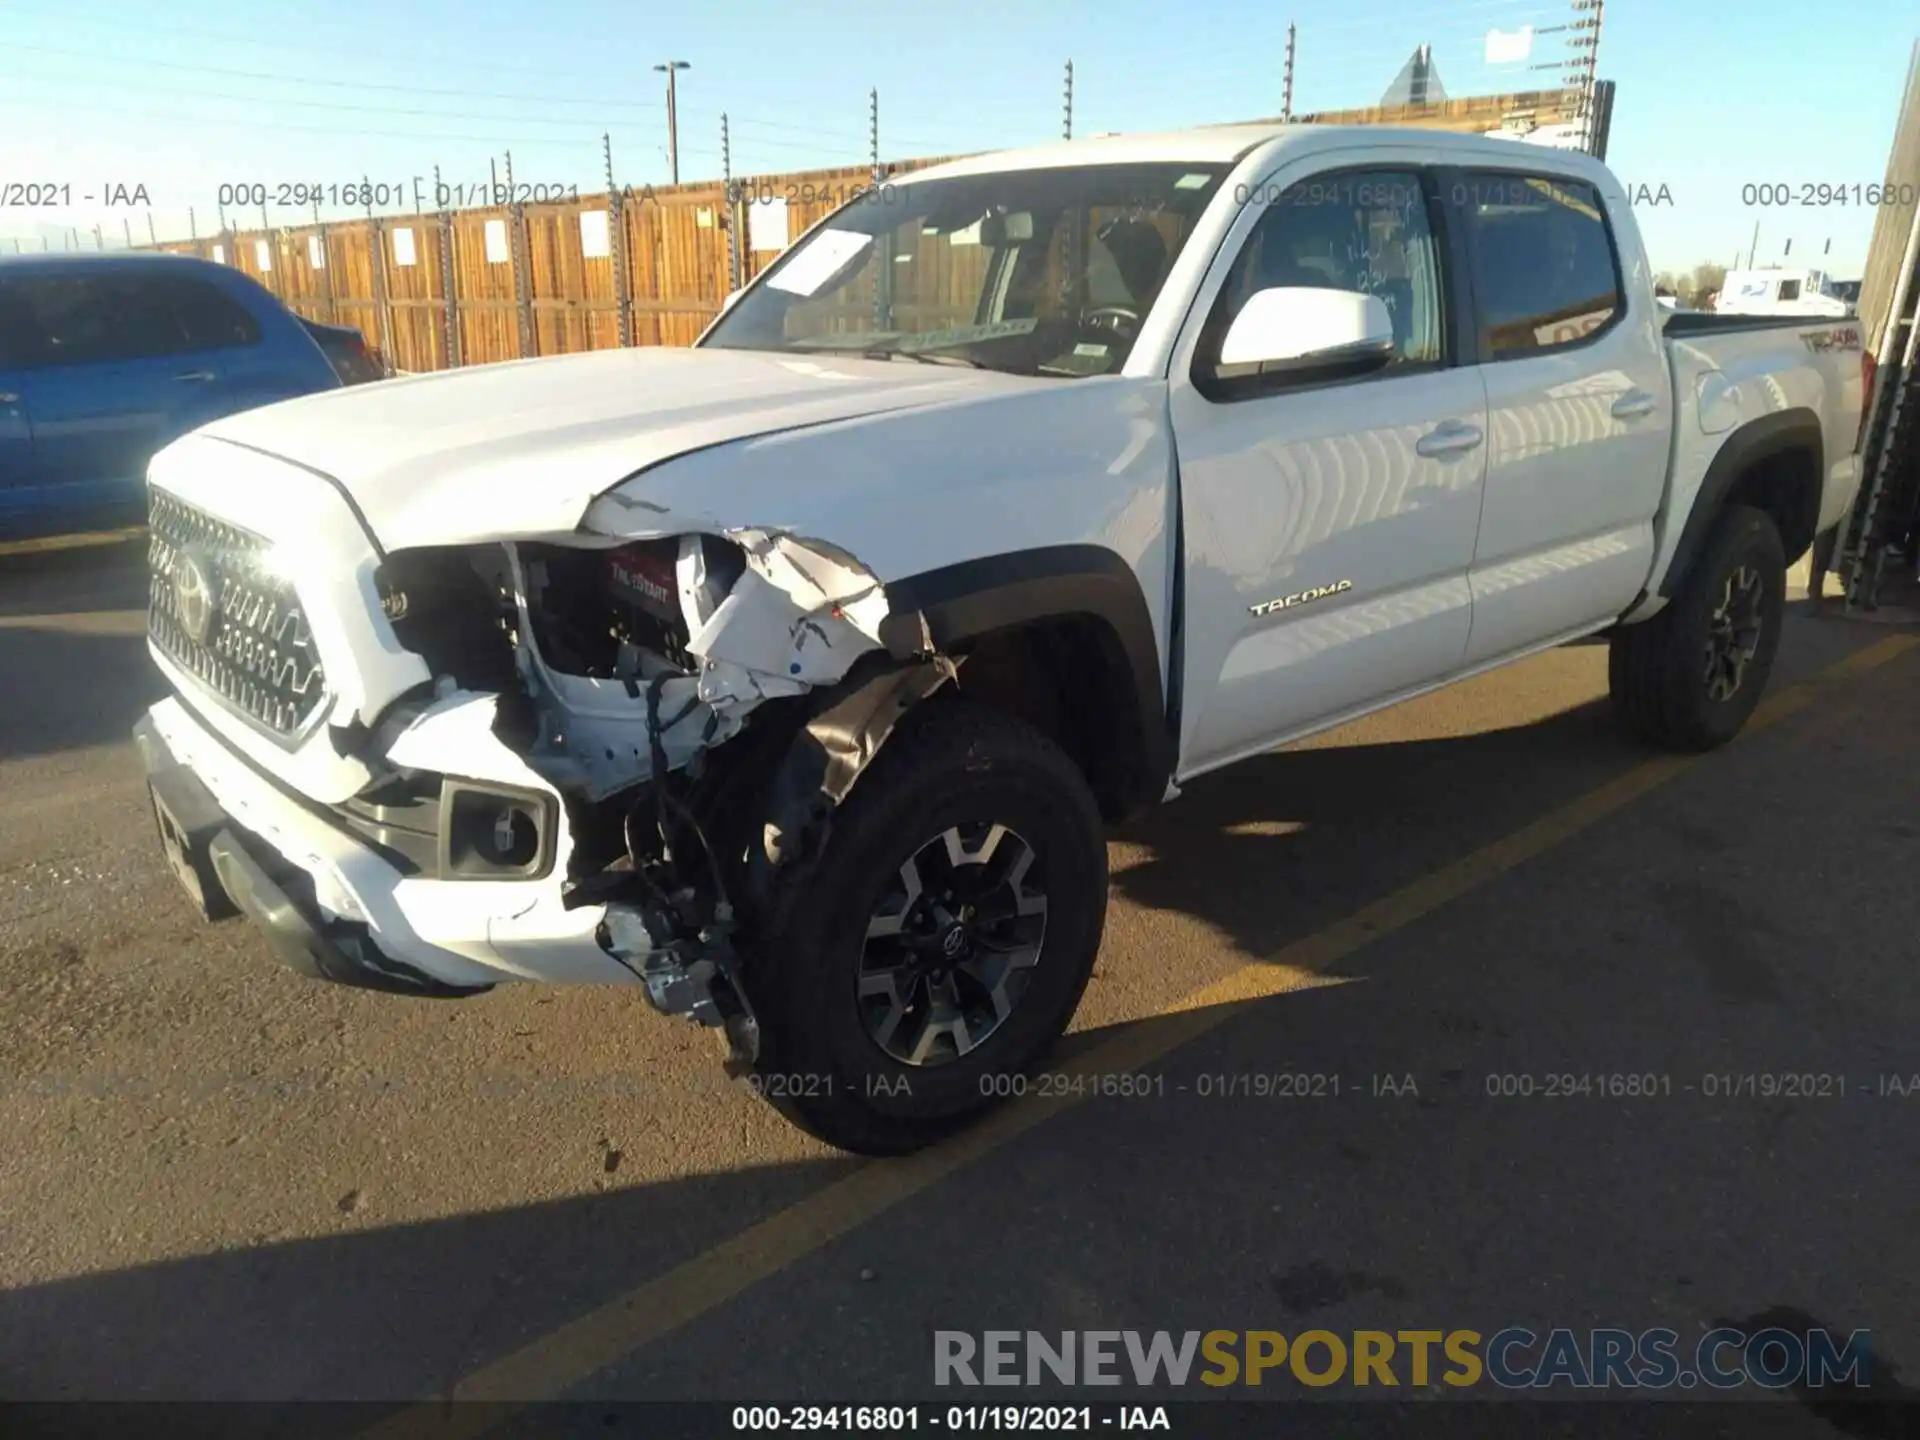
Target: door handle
1632, 405
1450, 438
193, 375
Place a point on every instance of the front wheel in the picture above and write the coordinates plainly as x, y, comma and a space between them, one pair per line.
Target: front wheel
940, 942
1689, 678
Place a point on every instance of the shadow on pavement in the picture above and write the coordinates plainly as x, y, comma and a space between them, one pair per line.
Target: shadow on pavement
70, 689
73, 582
402, 1311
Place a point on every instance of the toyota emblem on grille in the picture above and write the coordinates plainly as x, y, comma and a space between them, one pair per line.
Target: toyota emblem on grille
194, 600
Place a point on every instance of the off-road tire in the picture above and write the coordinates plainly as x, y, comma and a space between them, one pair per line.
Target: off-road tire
1656, 670
950, 763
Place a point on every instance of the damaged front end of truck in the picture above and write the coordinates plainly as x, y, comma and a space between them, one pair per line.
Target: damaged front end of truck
701, 702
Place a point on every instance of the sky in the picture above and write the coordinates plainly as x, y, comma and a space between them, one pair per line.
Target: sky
114, 100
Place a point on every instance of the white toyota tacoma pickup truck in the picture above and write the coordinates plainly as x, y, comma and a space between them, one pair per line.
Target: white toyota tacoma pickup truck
793, 676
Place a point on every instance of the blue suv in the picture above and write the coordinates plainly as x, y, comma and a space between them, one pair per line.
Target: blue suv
106, 358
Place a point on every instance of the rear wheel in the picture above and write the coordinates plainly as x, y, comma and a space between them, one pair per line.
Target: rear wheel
1689, 678
939, 944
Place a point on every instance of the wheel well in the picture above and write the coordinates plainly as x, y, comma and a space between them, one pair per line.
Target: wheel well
1068, 677
1785, 484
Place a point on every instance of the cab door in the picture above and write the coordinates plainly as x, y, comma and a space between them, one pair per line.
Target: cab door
1361, 494
1580, 409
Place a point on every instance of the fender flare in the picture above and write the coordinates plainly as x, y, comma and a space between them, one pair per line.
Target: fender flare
941, 610
930, 615
1751, 444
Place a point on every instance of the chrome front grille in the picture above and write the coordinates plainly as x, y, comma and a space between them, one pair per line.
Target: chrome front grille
216, 609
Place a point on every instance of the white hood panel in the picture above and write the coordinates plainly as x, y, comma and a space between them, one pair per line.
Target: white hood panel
521, 449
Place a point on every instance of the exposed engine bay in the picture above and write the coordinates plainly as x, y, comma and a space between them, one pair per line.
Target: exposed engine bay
619, 669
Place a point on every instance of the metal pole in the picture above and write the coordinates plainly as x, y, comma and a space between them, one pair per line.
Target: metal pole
493, 181
99, 241
126, 227
509, 168
152, 239
193, 226
873, 132
732, 201
1753, 249
617, 246
382, 310
1286, 84
671, 68
673, 125
1066, 130
450, 302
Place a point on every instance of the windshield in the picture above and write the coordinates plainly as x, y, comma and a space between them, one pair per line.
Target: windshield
1030, 272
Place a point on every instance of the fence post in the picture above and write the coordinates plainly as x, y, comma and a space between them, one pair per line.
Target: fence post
517, 250
729, 207
326, 269
449, 295
382, 319
617, 246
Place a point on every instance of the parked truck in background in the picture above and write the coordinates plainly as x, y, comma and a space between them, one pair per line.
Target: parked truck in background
793, 676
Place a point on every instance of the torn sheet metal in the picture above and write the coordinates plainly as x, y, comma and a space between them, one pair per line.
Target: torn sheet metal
836, 746
797, 618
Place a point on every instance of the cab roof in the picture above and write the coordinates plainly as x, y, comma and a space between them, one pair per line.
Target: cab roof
1229, 144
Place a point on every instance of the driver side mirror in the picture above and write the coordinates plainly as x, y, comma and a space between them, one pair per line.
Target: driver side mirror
1296, 330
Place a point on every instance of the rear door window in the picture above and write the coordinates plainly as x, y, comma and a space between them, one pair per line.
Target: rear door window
1545, 264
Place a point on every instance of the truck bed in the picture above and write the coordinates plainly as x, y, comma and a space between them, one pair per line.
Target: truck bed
1687, 323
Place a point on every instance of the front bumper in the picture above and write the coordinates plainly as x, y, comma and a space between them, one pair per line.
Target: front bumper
228, 871
331, 905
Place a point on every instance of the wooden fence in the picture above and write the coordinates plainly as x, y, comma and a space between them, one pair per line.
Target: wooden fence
641, 267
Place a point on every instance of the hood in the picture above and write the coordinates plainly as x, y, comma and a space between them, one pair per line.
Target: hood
521, 449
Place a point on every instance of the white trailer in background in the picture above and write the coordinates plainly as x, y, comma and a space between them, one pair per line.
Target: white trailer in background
1776, 290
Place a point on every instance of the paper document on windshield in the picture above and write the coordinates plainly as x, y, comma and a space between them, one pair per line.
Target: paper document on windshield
825, 256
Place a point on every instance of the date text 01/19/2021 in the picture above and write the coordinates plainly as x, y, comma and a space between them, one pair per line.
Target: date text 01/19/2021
895, 1419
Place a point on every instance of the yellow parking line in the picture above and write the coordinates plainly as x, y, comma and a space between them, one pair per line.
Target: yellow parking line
69, 542
576, 1351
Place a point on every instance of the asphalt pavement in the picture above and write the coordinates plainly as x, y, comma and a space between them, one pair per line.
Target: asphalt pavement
1337, 984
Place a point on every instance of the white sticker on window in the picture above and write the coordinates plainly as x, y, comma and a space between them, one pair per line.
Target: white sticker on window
496, 242
767, 223
1090, 351
823, 257
219, 254
1191, 182
262, 256
403, 251
596, 236
316, 252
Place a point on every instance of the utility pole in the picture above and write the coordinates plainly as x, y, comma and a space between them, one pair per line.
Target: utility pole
672, 67
193, 226
1286, 83
1066, 132
493, 181
152, 239
126, 226
1753, 249
873, 132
